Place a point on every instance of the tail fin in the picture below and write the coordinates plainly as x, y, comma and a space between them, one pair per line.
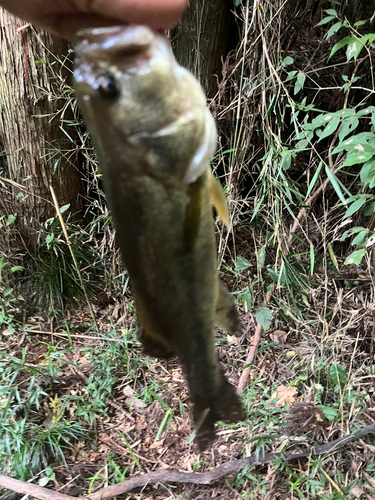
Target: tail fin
226, 406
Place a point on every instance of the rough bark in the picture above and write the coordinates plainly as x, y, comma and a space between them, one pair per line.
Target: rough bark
38, 154
205, 34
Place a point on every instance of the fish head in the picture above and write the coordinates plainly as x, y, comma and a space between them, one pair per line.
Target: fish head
133, 92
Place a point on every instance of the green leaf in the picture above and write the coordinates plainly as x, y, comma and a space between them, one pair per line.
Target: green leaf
64, 208
333, 180
366, 111
242, 264
331, 12
361, 239
291, 75
329, 412
333, 29
353, 49
287, 61
14, 269
246, 300
348, 112
370, 209
364, 141
355, 158
359, 23
365, 172
286, 161
312, 259
321, 119
354, 207
350, 232
264, 317
49, 238
301, 77
348, 125
325, 20
339, 45
313, 180
330, 128
338, 374
11, 219
370, 37
355, 257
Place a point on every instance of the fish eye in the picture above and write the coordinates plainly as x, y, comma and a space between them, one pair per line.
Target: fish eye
107, 87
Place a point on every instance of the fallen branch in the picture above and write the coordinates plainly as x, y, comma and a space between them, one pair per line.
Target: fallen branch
172, 476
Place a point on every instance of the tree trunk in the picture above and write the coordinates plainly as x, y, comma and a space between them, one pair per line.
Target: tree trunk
205, 34
38, 154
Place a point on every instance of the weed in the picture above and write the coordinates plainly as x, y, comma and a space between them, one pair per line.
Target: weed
30, 437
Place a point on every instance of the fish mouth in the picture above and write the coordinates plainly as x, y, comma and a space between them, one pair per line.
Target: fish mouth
125, 40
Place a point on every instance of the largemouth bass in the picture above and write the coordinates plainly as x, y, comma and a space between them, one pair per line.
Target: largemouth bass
154, 137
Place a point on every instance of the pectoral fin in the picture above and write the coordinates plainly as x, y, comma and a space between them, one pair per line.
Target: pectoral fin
227, 316
153, 344
218, 200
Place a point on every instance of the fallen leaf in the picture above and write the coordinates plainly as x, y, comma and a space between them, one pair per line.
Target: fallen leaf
94, 457
285, 395
140, 423
279, 336
131, 401
128, 391
103, 448
43, 481
135, 404
357, 492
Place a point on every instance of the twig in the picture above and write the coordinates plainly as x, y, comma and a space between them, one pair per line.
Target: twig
172, 476
253, 348
333, 484
73, 335
55, 202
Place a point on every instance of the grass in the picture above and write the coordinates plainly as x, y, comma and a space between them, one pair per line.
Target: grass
48, 409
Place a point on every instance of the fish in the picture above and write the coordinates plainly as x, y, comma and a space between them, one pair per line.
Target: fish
154, 137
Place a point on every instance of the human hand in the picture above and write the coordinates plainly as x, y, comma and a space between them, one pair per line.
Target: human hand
66, 17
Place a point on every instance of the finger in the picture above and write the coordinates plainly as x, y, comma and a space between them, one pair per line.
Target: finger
158, 14
67, 25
